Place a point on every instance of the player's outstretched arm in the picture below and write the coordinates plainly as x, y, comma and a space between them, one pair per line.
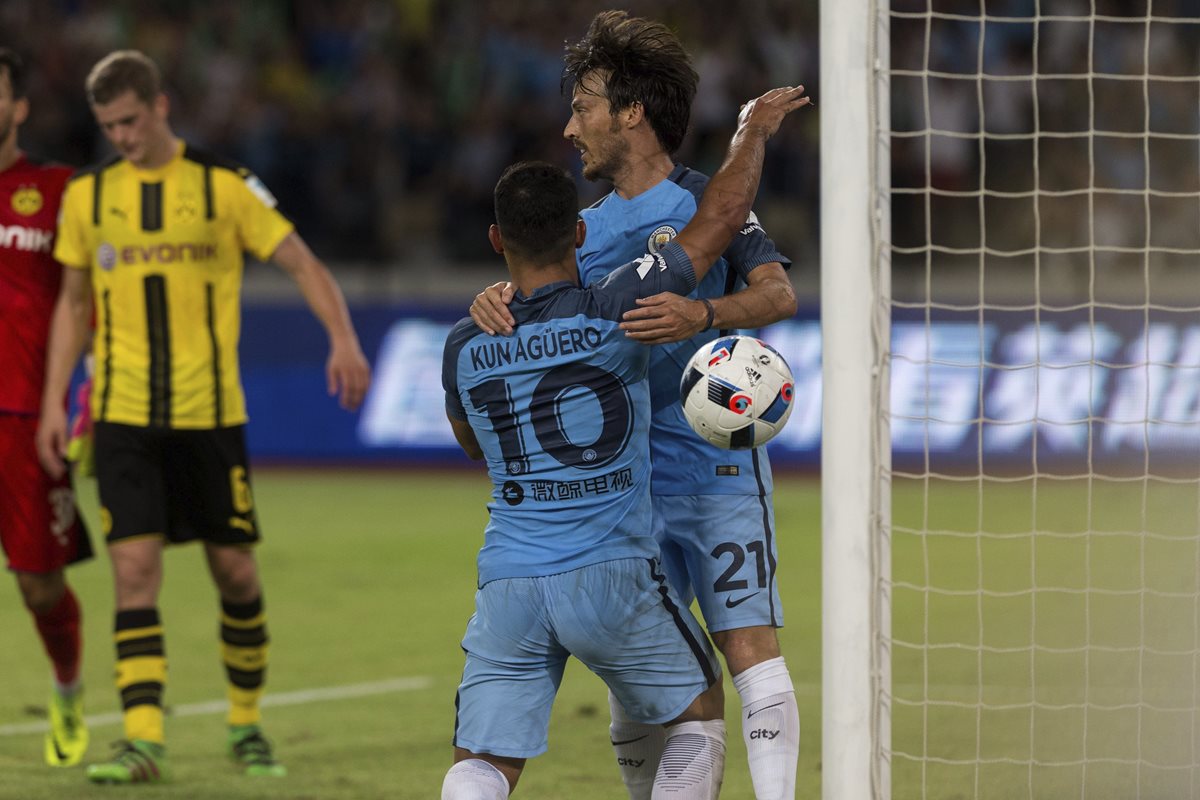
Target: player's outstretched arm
70, 329
490, 308
727, 199
346, 370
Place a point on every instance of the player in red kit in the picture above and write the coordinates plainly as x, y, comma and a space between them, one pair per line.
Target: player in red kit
40, 528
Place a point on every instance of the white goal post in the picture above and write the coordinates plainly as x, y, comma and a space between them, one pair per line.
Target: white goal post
1010, 455
855, 313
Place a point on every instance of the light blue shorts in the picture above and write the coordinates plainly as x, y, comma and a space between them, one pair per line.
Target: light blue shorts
620, 618
720, 550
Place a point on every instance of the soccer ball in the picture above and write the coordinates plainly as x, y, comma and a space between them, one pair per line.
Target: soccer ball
736, 392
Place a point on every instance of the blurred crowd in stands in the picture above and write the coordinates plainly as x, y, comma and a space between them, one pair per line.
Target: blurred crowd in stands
1065, 160
382, 125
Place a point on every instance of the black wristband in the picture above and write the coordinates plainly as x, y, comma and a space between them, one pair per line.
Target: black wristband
711, 313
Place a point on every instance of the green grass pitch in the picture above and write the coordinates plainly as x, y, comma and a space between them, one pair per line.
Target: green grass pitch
1056, 654
369, 576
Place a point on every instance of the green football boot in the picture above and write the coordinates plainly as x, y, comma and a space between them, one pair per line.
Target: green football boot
67, 739
251, 749
137, 761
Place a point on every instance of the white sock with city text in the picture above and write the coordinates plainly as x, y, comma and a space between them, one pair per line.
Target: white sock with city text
770, 728
638, 747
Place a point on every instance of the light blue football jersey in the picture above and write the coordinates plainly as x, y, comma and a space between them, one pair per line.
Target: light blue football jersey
619, 230
561, 410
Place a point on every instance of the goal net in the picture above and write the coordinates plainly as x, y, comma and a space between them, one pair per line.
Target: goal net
1031, 543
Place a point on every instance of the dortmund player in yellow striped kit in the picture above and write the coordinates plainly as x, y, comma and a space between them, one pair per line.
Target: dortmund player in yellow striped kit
153, 240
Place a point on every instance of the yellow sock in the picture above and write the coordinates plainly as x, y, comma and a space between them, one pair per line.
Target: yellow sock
141, 672
244, 652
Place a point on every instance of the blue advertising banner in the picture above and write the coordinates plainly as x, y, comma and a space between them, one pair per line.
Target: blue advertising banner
1067, 392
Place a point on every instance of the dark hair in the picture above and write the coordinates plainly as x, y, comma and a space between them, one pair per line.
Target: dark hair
643, 62
14, 66
123, 71
537, 205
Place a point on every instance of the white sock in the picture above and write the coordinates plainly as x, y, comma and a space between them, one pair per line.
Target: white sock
638, 747
693, 762
770, 728
474, 779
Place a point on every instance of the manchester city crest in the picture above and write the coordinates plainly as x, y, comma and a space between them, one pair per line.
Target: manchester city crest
661, 235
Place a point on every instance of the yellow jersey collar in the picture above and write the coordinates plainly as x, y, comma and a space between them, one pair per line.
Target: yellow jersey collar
159, 172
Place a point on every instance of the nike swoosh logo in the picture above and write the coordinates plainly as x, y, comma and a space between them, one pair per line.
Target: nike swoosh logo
629, 741
764, 708
57, 750
731, 603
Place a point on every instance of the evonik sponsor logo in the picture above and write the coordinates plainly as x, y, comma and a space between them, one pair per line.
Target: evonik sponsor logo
30, 240
165, 253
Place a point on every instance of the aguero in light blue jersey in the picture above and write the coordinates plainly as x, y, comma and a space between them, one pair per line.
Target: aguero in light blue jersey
569, 481
561, 414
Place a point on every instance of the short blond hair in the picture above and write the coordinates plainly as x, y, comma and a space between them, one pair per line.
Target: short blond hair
123, 71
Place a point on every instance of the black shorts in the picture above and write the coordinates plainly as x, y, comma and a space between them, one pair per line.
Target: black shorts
178, 484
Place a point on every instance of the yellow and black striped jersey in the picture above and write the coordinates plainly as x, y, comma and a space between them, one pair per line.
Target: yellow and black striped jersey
165, 249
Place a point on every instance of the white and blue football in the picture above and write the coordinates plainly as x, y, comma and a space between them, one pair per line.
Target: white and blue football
736, 392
